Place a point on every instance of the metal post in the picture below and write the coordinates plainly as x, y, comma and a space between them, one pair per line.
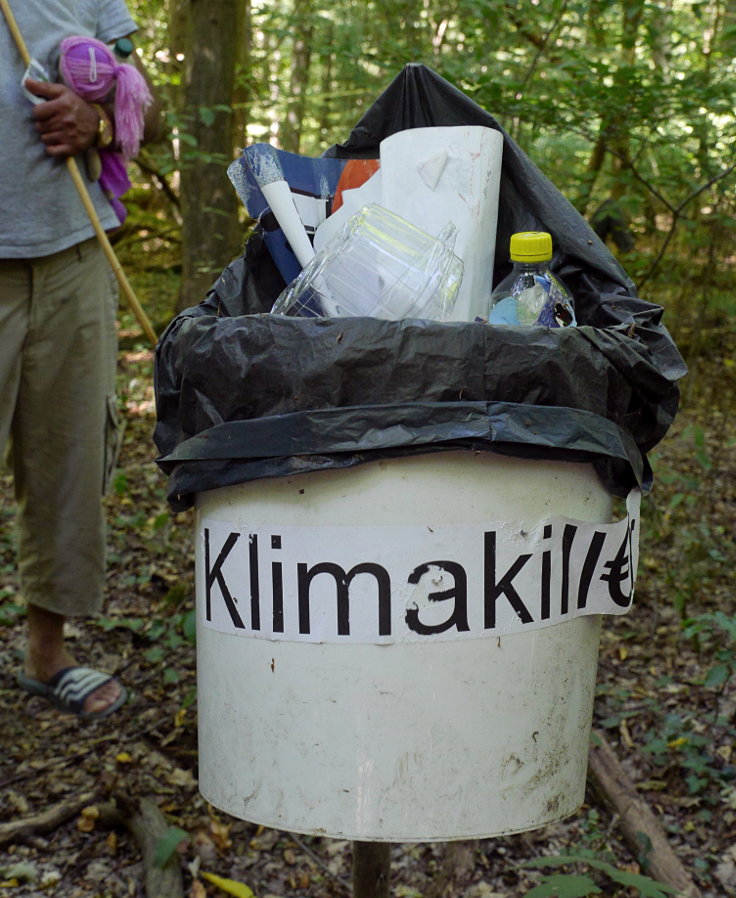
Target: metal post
371, 869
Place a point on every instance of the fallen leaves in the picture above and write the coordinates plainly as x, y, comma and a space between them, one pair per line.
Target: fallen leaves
149, 748
230, 886
88, 819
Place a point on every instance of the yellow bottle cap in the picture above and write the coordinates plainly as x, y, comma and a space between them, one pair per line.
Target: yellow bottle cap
531, 246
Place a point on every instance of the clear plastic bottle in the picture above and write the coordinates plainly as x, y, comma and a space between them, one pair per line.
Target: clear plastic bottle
531, 294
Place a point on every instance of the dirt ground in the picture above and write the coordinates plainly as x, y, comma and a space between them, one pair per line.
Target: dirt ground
666, 702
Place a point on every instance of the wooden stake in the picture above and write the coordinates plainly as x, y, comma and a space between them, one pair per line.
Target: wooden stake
371, 869
81, 187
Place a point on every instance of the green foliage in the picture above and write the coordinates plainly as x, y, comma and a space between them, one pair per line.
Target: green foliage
10, 612
682, 739
161, 637
572, 885
718, 631
564, 885
167, 844
630, 102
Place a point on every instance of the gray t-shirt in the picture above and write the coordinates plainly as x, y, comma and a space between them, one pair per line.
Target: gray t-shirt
40, 209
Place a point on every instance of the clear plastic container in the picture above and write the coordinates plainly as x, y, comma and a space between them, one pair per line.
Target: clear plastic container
531, 294
379, 265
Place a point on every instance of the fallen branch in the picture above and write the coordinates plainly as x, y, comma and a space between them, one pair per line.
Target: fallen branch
147, 824
640, 828
320, 863
46, 821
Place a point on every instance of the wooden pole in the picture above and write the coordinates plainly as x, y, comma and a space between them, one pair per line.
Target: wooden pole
371, 869
81, 187
130, 296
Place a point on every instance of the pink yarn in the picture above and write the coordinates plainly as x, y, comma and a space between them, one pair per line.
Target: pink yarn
91, 70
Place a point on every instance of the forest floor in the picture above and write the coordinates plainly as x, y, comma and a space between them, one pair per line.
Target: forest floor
666, 702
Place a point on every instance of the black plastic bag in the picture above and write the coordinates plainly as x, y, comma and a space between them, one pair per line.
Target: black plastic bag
242, 394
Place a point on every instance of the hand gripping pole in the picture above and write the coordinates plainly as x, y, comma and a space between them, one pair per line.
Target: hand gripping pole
71, 163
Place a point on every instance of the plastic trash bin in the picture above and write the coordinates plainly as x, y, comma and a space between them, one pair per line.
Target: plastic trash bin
439, 738
371, 495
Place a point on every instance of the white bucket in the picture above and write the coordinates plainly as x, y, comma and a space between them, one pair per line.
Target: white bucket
427, 740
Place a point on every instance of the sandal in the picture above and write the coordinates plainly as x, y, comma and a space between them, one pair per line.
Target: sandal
70, 688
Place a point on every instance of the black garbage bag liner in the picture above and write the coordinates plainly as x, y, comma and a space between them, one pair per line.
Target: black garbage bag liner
242, 394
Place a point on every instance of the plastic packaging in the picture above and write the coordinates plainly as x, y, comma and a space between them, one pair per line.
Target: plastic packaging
37, 72
531, 294
243, 396
381, 266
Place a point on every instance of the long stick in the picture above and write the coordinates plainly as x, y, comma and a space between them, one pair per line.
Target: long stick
371, 869
71, 163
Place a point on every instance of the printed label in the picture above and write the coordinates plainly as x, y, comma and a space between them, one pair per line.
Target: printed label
371, 584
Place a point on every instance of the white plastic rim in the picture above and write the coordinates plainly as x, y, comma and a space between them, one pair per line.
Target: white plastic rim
427, 741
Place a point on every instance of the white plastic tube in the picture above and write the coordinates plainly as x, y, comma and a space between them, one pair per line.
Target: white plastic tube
279, 198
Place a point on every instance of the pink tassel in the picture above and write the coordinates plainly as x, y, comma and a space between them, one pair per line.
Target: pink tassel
90, 69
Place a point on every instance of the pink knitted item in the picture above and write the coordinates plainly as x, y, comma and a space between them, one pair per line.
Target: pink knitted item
91, 70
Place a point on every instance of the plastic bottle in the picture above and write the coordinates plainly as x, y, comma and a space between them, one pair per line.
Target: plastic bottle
531, 294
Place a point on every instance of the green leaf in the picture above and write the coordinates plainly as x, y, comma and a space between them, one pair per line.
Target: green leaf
717, 676
647, 887
161, 520
129, 623
167, 844
189, 698
189, 626
171, 676
120, 484
564, 885
9, 612
154, 654
207, 115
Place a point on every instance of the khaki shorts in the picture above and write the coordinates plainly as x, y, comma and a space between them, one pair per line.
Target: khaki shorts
58, 351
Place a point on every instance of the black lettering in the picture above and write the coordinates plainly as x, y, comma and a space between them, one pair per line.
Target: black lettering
619, 570
343, 579
255, 598
277, 588
213, 574
459, 592
277, 585
568, 535
546, 597
492, 589
591, 560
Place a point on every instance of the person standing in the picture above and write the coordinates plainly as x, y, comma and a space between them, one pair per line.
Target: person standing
58, 347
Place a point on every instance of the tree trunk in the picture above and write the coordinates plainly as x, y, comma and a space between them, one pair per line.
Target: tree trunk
211, 232
291, 128
243, 92
620, 141
327, 82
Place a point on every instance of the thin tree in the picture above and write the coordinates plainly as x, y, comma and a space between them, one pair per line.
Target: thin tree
211, 234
